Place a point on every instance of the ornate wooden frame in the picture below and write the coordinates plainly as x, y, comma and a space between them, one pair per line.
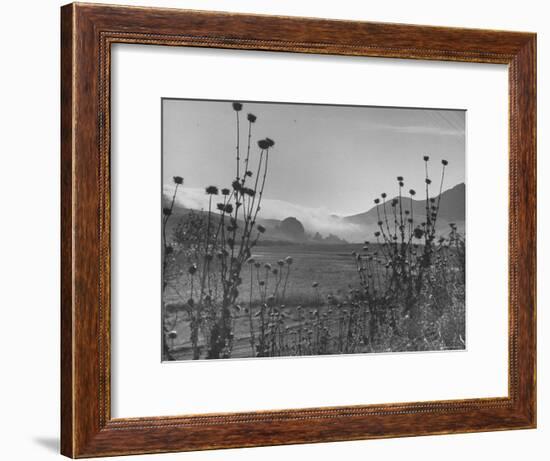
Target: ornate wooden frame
88, 31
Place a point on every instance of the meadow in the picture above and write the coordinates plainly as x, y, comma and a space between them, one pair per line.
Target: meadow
227, 293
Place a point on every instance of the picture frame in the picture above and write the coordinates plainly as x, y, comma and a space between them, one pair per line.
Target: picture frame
87, 35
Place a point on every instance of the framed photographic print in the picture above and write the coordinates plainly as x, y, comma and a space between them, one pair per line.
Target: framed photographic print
284, 230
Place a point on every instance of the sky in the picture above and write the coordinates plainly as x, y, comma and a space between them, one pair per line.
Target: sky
326, 160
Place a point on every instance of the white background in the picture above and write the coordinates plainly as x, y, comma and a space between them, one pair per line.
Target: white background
143, 386
29, 235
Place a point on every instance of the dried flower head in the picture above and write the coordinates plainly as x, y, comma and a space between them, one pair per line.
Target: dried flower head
412, 192
178, 180
428, 181
384, 195
237, 106
192, 269
289, 260
377, 201
426, 158
418, 233
212, 190
263, 144
400, 178
173, 334
166, 211
251, 118
261, 229
444, 162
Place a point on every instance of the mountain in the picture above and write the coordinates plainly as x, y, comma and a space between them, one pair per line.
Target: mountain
452, 209
342, 229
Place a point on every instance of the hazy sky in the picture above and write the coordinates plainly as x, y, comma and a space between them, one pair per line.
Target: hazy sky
334, 159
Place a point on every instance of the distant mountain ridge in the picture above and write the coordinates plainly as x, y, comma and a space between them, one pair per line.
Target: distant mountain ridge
358, 227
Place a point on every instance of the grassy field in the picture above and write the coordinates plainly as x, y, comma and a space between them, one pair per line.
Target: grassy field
331, 266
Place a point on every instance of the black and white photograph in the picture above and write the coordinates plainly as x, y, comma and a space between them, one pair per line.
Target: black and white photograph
308, 229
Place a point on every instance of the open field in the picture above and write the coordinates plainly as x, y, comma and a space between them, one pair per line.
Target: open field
332, 266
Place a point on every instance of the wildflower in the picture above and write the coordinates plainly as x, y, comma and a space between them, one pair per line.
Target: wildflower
225, 207
384, 195
178, 180
289, 260
225, 191
401, 183
400, 178
428, 181
173, 334
212, 190
418, 233
248, 173
377, 234
257, 265
237, 106
263, 144
236, 185
280, 263
166, 211
426, 158
249, 192
192, 269
261, 229
412, 192
444, 162
270, 142
377, 201
251, 118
